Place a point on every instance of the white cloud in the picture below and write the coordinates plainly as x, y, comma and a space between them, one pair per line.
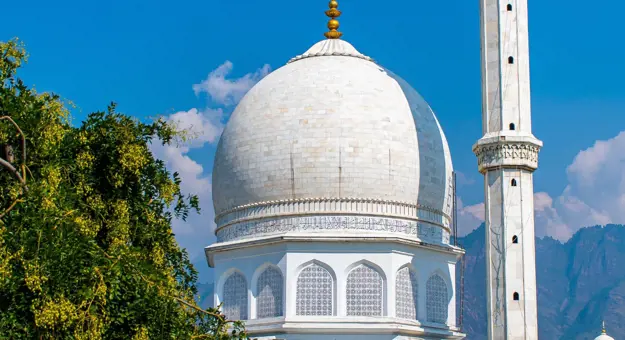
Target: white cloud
469, 217
204, 127
594, 195
225, 91
547, 220
194, 180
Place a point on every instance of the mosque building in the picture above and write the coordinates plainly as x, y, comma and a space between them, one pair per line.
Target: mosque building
333, 195
333, 190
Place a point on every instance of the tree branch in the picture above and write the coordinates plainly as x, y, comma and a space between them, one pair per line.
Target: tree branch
12, 169
219, 316
23, 140
21, 177
10, 207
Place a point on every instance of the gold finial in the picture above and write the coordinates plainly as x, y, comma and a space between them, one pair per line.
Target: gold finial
333, 24
603, 327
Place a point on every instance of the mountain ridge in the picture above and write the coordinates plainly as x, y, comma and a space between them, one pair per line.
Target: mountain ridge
580, 283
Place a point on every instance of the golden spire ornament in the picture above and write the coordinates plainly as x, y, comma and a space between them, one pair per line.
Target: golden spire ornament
333, 24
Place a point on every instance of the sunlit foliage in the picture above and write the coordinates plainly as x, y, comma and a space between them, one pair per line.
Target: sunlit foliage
86, 245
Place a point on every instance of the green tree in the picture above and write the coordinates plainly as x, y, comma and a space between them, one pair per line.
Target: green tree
86, 246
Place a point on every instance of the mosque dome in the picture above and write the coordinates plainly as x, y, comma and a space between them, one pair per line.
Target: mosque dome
604, 335
332, 132
333, 193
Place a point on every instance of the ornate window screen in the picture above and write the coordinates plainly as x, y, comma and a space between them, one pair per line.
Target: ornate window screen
365, 289
314, 291
235, 297
437, 299
406, 290
269, 299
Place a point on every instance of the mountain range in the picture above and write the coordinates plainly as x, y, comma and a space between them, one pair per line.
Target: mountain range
580, 284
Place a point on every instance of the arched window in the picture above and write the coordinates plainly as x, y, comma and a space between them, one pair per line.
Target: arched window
510, 60
406, 294
515, 239
512, 127
315, 291
235, 297
509, 7
513, 182
269, 299
365, 289
515, 296
437, 299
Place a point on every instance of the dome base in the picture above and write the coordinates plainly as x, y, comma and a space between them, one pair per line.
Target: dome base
335, 328
338, 288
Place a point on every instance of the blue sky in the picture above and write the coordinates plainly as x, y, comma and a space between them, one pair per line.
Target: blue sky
146, 56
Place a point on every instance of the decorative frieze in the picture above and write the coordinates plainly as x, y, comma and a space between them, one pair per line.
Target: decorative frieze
503, 153
266, 227
330, 206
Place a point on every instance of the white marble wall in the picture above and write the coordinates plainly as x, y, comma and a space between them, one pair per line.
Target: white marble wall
527, 242
340, 259
506, 153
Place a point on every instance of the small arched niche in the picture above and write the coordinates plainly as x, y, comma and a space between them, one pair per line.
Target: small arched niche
315, 290
269, 293
366, 286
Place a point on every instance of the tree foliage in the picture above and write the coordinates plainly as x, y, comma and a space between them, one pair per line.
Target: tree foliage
86, 246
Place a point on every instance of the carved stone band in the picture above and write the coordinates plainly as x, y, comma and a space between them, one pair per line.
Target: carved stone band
325, 54
502, 153
348, 224
329, 206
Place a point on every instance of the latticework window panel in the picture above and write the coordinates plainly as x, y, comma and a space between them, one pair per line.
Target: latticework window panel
437, 299
235, 297
269, 299
315, 291
365, 290
406, 294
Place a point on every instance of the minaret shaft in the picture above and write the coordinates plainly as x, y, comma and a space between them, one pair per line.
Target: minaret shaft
507, 156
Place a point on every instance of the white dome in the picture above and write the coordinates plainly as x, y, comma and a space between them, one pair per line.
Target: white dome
326, 132
604, 335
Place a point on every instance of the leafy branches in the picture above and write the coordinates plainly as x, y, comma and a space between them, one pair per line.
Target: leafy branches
88, 252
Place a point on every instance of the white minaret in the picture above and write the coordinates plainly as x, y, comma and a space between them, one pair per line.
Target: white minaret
507, 156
